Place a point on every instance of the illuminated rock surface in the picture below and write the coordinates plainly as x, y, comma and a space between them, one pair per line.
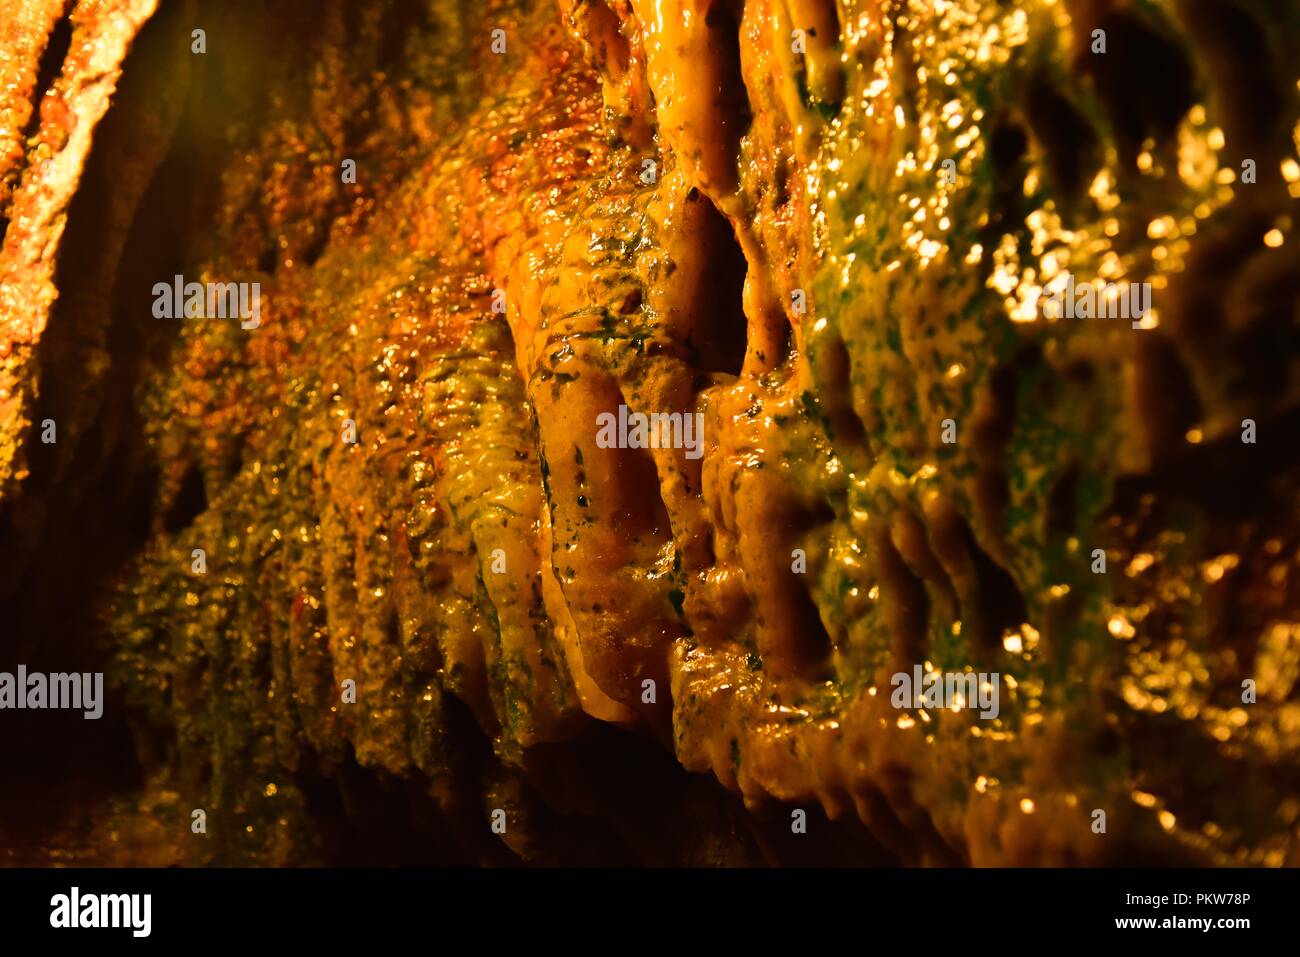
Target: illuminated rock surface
833, 243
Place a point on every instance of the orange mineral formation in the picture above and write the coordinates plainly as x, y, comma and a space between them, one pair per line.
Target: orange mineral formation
979, 580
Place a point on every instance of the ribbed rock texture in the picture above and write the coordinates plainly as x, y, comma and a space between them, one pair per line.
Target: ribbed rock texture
828, 228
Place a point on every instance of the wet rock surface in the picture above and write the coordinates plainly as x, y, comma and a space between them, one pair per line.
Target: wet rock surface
424, 593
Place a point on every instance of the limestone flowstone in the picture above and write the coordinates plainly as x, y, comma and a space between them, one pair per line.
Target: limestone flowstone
439, 551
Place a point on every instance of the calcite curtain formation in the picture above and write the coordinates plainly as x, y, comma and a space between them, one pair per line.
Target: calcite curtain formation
827, 227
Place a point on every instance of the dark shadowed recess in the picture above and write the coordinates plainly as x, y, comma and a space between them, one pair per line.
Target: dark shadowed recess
85, 509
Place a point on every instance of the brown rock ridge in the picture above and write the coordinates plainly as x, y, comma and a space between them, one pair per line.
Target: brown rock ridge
829, 230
